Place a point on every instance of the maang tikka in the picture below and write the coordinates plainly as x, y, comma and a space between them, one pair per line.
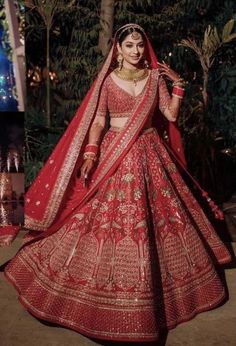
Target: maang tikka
136, 35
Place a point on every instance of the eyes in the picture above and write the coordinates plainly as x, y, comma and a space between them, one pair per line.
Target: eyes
141, 45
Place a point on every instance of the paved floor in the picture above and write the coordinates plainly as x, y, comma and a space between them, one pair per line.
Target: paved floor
19, 328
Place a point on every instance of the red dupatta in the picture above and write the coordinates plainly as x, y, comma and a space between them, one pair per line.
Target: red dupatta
50, 191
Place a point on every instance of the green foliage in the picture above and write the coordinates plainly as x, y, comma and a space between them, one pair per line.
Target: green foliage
39, 142
5, 42
210, 44
74, 58
222, 78
222, 109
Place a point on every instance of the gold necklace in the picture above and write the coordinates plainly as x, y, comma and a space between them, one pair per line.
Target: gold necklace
131, 75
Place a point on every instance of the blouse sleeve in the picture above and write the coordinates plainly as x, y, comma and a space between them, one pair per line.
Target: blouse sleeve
164, 96
102, 103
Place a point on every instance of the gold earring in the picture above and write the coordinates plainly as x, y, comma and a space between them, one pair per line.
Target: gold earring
120, 60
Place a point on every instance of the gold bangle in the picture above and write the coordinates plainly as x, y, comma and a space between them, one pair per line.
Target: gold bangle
179, 82
89, 156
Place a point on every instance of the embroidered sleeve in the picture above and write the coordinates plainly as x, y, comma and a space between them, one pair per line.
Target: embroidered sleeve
99, 121
102, 103
164, 96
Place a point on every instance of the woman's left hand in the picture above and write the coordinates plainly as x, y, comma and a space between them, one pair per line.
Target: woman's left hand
165, 70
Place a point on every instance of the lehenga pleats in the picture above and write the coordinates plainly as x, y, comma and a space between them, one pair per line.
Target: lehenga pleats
137, 258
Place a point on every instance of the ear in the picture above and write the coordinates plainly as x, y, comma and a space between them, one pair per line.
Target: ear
118, 48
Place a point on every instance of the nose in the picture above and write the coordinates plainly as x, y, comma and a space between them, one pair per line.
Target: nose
136, 50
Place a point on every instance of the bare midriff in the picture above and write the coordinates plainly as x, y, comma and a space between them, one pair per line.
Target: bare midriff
121, 122
118, 122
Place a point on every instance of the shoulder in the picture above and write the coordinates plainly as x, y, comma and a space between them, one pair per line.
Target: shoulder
105, 83
155, 72
107, 80
109, 76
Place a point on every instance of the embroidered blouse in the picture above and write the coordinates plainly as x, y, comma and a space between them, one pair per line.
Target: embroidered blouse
119, 103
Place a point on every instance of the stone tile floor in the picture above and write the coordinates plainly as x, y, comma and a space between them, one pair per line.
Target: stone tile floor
19, 328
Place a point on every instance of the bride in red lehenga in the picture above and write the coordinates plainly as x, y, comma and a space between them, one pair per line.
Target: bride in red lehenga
123, 251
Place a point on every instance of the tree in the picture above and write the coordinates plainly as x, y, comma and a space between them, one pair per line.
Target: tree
106, 20
48, 9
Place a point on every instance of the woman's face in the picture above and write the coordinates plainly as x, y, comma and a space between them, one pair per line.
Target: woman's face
132, 50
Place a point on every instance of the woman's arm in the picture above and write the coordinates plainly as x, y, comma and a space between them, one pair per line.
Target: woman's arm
96, 129
172, 110
95, 132
170, 105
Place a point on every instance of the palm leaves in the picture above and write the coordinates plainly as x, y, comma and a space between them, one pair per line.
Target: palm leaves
227, 35
49, 8
206, 51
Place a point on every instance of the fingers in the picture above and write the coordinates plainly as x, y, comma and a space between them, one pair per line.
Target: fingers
85, 180
164, 64
84, 172
85, 169
84, 175
166, 71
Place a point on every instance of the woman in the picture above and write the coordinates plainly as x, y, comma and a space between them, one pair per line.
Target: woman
124, 250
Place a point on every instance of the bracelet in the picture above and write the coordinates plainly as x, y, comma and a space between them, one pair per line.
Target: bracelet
178, 92
91, 148
92, 145
179, 82
89, 156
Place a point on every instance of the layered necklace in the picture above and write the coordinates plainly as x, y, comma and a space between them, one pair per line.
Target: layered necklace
131, 75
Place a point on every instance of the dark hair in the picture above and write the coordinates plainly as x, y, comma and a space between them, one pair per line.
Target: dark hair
127, 32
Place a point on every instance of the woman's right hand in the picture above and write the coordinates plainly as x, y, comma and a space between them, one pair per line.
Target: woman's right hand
86, 168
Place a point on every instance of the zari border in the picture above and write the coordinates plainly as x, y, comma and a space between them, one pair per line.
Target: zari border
108, 335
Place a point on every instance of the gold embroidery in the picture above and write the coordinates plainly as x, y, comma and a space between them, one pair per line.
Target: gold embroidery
120, 195
171, 168
165, 191
137, 193
128, 177
110, 195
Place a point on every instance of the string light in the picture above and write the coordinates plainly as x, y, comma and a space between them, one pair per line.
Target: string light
7, 81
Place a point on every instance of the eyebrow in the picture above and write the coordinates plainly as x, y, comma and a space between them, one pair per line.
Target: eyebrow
134, 42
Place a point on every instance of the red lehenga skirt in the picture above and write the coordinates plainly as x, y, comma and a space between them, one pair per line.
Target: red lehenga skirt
136, 259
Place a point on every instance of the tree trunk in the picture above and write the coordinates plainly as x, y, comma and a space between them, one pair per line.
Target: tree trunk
106, 20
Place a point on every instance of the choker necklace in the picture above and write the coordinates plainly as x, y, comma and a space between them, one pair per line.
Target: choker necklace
131, 75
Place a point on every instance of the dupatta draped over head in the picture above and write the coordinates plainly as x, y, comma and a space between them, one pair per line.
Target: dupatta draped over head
48, 195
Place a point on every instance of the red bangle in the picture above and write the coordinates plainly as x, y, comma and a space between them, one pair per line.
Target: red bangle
179, 92
91, 148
